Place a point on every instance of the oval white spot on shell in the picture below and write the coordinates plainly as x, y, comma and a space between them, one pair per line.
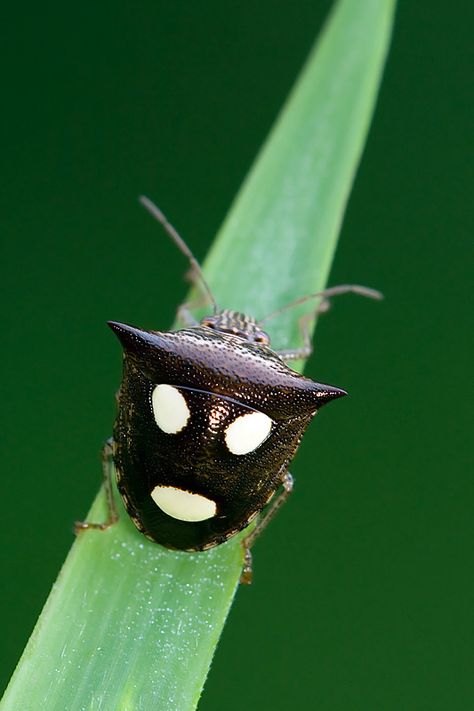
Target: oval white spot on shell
247, 432
182, 504
169, 409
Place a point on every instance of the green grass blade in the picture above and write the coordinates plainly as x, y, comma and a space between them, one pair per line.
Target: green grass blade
279, 239
129, 625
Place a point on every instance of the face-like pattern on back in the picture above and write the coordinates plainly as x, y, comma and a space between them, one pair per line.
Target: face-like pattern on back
207, 425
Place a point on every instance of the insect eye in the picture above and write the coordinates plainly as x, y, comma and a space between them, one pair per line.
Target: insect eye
209, 324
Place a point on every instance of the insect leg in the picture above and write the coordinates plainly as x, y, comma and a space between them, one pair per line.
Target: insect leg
307, 348
184, 311
184, 315
276, 503
324, 305
108, 469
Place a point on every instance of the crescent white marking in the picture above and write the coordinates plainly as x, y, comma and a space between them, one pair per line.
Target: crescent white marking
182, 504
169, 409
247, 432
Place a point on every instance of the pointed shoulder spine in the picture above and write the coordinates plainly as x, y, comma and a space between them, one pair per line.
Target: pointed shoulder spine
135, 339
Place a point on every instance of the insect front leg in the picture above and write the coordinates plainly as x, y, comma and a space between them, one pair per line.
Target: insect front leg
108, 470
304, 323
184, 315
305, 351
323, 306
275, 504
184, 311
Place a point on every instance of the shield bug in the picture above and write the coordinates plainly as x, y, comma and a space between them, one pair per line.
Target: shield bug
209, 419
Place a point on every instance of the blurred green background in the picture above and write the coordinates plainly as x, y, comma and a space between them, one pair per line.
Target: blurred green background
103, 102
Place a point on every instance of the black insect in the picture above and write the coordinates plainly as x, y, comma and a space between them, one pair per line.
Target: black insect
209, 419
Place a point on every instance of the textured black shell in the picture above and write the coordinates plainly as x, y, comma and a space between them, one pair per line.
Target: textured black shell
221, 377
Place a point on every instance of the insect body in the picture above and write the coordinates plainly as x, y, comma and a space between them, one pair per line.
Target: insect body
207, 425
209, 419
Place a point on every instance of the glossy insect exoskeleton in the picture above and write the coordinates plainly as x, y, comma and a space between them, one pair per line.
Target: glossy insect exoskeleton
209, 419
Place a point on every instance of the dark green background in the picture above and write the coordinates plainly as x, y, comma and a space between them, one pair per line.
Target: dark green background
364, 585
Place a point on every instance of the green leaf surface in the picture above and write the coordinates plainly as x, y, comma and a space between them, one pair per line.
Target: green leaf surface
129, 625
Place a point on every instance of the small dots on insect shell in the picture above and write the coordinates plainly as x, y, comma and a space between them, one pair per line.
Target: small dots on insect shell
170, 410
183, 505
247, 432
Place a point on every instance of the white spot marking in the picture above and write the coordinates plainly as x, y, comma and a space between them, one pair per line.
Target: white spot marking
182, 504
247, 432
170, 409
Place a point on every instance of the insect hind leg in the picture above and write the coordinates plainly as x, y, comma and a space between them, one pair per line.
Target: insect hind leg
112, 513
275, 504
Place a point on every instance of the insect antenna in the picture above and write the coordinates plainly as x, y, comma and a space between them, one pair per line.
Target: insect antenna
327, 294
180, 243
